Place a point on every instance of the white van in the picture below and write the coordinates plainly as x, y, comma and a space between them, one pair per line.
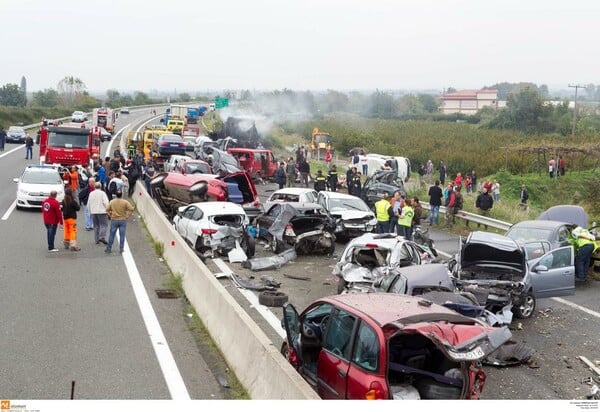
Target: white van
377, 162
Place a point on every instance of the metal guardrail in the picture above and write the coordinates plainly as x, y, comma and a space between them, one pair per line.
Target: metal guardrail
473, 217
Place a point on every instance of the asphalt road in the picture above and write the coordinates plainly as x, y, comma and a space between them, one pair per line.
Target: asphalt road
87, 321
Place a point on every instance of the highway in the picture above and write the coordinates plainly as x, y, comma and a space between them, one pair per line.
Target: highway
95, 320
85, 324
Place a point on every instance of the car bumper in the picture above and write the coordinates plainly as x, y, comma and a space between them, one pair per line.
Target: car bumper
15, 139
28, 201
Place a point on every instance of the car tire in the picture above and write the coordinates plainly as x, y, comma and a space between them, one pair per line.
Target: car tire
525, 309
272, 298
158, 181
341, 285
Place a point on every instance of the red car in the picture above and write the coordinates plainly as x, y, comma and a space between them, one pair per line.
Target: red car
175, 189
388, 346
260, 163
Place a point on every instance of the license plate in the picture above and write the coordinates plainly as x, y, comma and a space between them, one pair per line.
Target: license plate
174, 145
473, 354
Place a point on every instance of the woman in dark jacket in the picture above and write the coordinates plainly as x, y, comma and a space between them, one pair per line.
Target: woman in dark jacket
280, 176
332, 178
70, 207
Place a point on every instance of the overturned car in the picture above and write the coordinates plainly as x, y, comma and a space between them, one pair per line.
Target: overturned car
505, 274
380, 182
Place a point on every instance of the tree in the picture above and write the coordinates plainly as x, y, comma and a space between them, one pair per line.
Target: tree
525, 111
69, 89
381, 105
24, 85
185, 97
12, 95
46, 98
429, 103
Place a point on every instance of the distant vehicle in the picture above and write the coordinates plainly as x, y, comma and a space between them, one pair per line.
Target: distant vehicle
124, 110
376, 162
78, 116
69, 144
16, 134
260, 163
104, 117
192, 166
105, 135
169, 144
174, 163
388, 346
36, 183
320, 143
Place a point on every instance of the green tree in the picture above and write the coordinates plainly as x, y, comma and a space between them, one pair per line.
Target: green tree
24, 85
69, 89
185, 97
333, 101
46, 98
141, 98
429, 103
524, 111
410, 105
12, 95
381, 105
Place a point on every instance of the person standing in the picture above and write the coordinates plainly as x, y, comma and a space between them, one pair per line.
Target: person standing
551, 167
332, 178
562, 165
118, 211
383, 212
2, 138
422, 172
435, 201
28, 147
291, 172
52, 217
450, 204
585, 245
97, 204
355, 185
496, 191
484, 203
396, 202
70, 207
405, 220
442, 171
74, 181
101, 172
280, 176
320, 182
418, 213
328, 157
84, 195
474, 181
304, 168
429, 169
458, 203
524, 197
364, 161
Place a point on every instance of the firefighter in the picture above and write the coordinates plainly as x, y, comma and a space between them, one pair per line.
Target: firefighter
320, 181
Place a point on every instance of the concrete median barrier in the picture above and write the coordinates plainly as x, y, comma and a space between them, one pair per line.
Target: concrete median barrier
256, 362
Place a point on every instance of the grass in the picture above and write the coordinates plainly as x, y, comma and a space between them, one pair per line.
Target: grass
159, 247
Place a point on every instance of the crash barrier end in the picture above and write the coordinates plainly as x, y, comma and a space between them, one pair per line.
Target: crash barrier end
255, 360
469, 217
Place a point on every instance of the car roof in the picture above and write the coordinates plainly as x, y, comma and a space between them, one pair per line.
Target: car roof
385, 308
388, 240
338, 195
538, 224
218, 207
294, 190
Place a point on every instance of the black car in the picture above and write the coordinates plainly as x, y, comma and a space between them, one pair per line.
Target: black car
380, 182
16, 134
170, 144
306, 227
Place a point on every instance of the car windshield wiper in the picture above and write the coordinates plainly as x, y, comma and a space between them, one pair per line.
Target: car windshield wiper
353, 207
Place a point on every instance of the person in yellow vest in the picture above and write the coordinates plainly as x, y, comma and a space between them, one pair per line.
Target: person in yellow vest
383, 212
585, 245
405, 220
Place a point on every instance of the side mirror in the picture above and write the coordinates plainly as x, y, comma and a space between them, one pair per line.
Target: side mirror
16, 180
541, 268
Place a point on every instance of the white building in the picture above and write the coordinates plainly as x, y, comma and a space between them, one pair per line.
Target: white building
468, 101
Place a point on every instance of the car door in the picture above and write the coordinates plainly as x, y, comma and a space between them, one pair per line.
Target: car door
322, 200
188, 223
266, 219
553, 274
334, 359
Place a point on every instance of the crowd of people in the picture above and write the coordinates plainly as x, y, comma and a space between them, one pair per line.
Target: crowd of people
101, 192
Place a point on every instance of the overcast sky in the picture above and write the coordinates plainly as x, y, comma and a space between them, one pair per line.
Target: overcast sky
196, 45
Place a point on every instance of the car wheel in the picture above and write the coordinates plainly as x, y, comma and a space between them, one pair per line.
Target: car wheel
272, 299
525, 309
276, 246
285, 350
158, 181
249, 246
342, 283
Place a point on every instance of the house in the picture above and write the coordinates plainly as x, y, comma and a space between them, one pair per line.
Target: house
468, 101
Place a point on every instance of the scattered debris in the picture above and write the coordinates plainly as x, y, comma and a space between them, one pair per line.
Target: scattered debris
590, 365
167, 293
223, 381
270, 281
511, 353
271, 298
237, 254
270, 262
296, 277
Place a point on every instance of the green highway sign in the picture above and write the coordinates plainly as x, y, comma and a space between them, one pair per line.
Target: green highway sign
221, 102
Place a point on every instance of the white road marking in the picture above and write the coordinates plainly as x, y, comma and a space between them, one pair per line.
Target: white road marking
251, 297
10, 210
171, 373
11, 151
576, 306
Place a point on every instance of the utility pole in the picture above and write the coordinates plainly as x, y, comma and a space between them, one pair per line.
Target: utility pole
577, 87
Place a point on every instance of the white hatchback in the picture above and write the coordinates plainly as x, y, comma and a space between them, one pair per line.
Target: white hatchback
292, 194
35, 185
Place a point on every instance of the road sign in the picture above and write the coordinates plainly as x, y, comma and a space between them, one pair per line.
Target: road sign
221, 102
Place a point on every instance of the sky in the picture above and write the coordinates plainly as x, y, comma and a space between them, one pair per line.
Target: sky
195, 46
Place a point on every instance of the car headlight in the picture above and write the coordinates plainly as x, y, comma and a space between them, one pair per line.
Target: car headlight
22, 191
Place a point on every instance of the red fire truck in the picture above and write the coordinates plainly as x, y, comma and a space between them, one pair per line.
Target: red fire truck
104, 117
69, 144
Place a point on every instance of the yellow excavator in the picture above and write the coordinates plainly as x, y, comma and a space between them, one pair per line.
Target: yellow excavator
320, 143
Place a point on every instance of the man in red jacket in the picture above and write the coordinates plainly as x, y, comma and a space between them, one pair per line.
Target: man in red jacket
52, 216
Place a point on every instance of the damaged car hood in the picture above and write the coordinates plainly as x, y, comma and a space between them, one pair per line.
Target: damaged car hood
489, 253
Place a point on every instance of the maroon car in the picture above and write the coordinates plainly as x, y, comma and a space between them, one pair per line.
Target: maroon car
388, 346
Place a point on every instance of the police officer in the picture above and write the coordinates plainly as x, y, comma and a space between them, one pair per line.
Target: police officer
585, 245
383, 212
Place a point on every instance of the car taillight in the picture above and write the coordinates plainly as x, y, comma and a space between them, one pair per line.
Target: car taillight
375, 391
209, 231
371, 245
289, 230
163, 144
292, 357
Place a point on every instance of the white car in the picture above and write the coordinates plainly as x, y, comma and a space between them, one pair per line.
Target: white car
174, 163
125, 110
292, 194
78, 116
214, 227
353, 216
35, 185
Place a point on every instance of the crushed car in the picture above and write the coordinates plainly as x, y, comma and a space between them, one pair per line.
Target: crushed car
369, 257
380, 182
214, 228
305, 227
504, 274
388, 346
353, 216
